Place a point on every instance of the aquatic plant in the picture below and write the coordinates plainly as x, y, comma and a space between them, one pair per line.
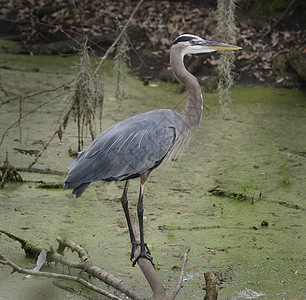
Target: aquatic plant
247, 191
170, 234
285, 173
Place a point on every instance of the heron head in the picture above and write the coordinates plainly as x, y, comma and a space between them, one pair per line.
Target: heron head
192, 44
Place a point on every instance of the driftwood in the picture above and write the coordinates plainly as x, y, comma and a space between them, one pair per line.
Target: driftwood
32, 251
212, 286
85, 264
16, 268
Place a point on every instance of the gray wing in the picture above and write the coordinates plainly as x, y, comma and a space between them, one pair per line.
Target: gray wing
125, 150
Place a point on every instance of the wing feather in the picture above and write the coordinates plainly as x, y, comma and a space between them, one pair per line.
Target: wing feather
125, 150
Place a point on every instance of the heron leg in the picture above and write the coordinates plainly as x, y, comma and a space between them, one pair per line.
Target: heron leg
144, 250
125, 206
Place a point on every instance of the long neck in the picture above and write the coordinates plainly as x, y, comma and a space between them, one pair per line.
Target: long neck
194, 107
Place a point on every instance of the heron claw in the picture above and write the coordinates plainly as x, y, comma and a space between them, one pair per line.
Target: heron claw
144, 254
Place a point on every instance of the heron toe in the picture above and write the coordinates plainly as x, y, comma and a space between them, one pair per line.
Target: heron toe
145, 254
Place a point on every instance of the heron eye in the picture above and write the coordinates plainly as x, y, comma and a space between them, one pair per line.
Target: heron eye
191, 42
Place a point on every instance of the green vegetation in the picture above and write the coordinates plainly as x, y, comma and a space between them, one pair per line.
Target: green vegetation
247, 191
170, 234
285, 173
241, 154
7, 44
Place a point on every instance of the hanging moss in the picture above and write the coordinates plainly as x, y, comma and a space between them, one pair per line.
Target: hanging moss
88, 96
120, 68
226, 28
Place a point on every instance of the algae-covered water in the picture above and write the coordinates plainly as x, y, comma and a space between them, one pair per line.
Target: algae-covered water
250, 231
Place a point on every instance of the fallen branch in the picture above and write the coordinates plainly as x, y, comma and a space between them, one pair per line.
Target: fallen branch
95, 271
87, 266
31, 250
212, 286
41, 171
6, 261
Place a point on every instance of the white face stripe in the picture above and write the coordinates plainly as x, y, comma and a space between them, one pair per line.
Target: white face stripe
196, 50
185, 39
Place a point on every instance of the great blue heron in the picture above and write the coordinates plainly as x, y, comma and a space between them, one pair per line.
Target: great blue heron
134, 147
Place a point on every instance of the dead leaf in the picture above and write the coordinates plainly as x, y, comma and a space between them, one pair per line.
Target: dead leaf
280, 80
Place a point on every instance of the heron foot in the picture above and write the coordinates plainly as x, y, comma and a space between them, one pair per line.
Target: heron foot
144, 254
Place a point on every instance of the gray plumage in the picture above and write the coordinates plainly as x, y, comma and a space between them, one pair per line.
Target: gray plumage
134, 147
127, 149
140, 143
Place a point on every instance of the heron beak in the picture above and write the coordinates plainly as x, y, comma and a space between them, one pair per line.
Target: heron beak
218, 46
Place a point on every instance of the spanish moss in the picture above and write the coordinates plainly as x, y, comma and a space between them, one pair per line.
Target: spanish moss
88, 96
226, 29
120, 69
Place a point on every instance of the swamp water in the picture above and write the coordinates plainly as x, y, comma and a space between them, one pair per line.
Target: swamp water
249, 231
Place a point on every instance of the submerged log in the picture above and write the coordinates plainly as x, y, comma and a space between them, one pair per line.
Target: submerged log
212, 286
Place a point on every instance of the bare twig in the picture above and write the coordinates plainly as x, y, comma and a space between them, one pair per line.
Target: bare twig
25, 115
57, 131
180, 282
111, 48
17, 97
283, 15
